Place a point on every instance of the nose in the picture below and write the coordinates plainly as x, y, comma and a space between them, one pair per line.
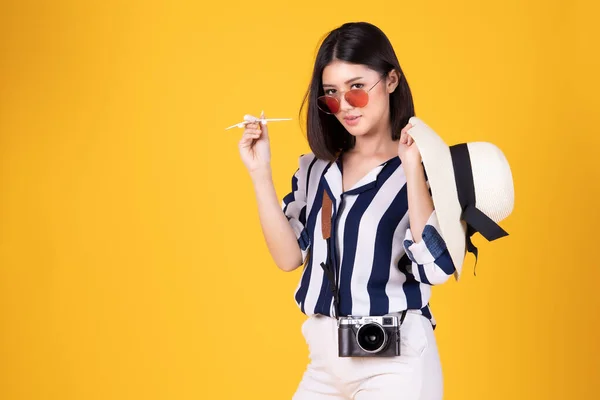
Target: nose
344, 105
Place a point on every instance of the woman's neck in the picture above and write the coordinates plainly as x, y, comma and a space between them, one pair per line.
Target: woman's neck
376, 144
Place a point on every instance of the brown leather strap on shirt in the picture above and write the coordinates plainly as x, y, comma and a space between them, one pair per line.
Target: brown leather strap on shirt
328, 265
326, 216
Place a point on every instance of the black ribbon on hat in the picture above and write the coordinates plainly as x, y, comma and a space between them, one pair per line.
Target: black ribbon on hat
476, 220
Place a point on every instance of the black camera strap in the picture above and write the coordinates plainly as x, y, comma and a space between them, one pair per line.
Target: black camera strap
328, 267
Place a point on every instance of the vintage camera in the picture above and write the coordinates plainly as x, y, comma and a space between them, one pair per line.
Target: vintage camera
369, 336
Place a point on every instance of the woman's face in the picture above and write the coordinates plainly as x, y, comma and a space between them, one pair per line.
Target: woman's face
339, 77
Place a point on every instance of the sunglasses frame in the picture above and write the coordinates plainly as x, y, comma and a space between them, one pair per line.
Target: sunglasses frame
344, 93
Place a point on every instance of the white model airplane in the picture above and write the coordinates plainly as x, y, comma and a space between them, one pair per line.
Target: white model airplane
243, 123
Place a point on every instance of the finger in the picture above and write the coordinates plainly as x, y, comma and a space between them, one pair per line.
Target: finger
250, 118
248, 137
263, 125
248, 140
403, 138
253, 133
252, 125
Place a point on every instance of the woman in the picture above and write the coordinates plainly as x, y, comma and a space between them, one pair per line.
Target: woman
385, 246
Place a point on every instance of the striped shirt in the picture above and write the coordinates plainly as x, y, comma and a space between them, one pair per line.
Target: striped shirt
379, 268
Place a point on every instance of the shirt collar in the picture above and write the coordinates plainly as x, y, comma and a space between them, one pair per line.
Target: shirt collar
333, 177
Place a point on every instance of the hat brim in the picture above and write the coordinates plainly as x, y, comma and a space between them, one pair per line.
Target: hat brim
437, 161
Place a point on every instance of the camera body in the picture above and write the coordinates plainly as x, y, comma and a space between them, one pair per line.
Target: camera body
369, 336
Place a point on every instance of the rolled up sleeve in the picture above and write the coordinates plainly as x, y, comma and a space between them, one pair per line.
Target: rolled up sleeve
294, 205
430, 259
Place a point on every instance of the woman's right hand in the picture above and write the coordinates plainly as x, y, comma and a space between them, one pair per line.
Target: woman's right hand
254, 145
278, 232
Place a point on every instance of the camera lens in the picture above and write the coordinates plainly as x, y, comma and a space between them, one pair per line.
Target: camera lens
371, 337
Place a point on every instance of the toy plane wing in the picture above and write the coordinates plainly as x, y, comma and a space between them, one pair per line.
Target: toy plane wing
243, 123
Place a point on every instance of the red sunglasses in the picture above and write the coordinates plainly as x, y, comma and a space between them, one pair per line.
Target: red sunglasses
330, 104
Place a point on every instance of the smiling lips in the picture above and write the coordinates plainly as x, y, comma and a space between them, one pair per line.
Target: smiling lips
352, 119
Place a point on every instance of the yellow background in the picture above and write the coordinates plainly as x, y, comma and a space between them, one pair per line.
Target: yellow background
132, 265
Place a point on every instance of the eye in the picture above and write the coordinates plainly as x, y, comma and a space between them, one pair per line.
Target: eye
330, 92
357, 86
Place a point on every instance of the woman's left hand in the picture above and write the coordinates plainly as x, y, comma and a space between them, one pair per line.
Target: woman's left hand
407, 149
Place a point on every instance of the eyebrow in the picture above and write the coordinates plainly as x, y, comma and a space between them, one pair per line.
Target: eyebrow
347, 82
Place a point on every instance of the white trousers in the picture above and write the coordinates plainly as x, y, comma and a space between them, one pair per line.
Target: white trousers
414, 375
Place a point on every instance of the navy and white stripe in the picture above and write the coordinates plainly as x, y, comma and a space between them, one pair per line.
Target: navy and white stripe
380, 267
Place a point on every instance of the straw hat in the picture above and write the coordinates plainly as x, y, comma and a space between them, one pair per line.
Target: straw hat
472, 189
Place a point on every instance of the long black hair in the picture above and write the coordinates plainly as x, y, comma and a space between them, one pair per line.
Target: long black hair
356, 43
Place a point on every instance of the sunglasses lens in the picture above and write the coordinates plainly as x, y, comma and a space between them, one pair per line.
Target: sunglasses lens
328, 104
357, 98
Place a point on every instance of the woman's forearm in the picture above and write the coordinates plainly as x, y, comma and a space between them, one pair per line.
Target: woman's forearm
278, 233
420, 203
